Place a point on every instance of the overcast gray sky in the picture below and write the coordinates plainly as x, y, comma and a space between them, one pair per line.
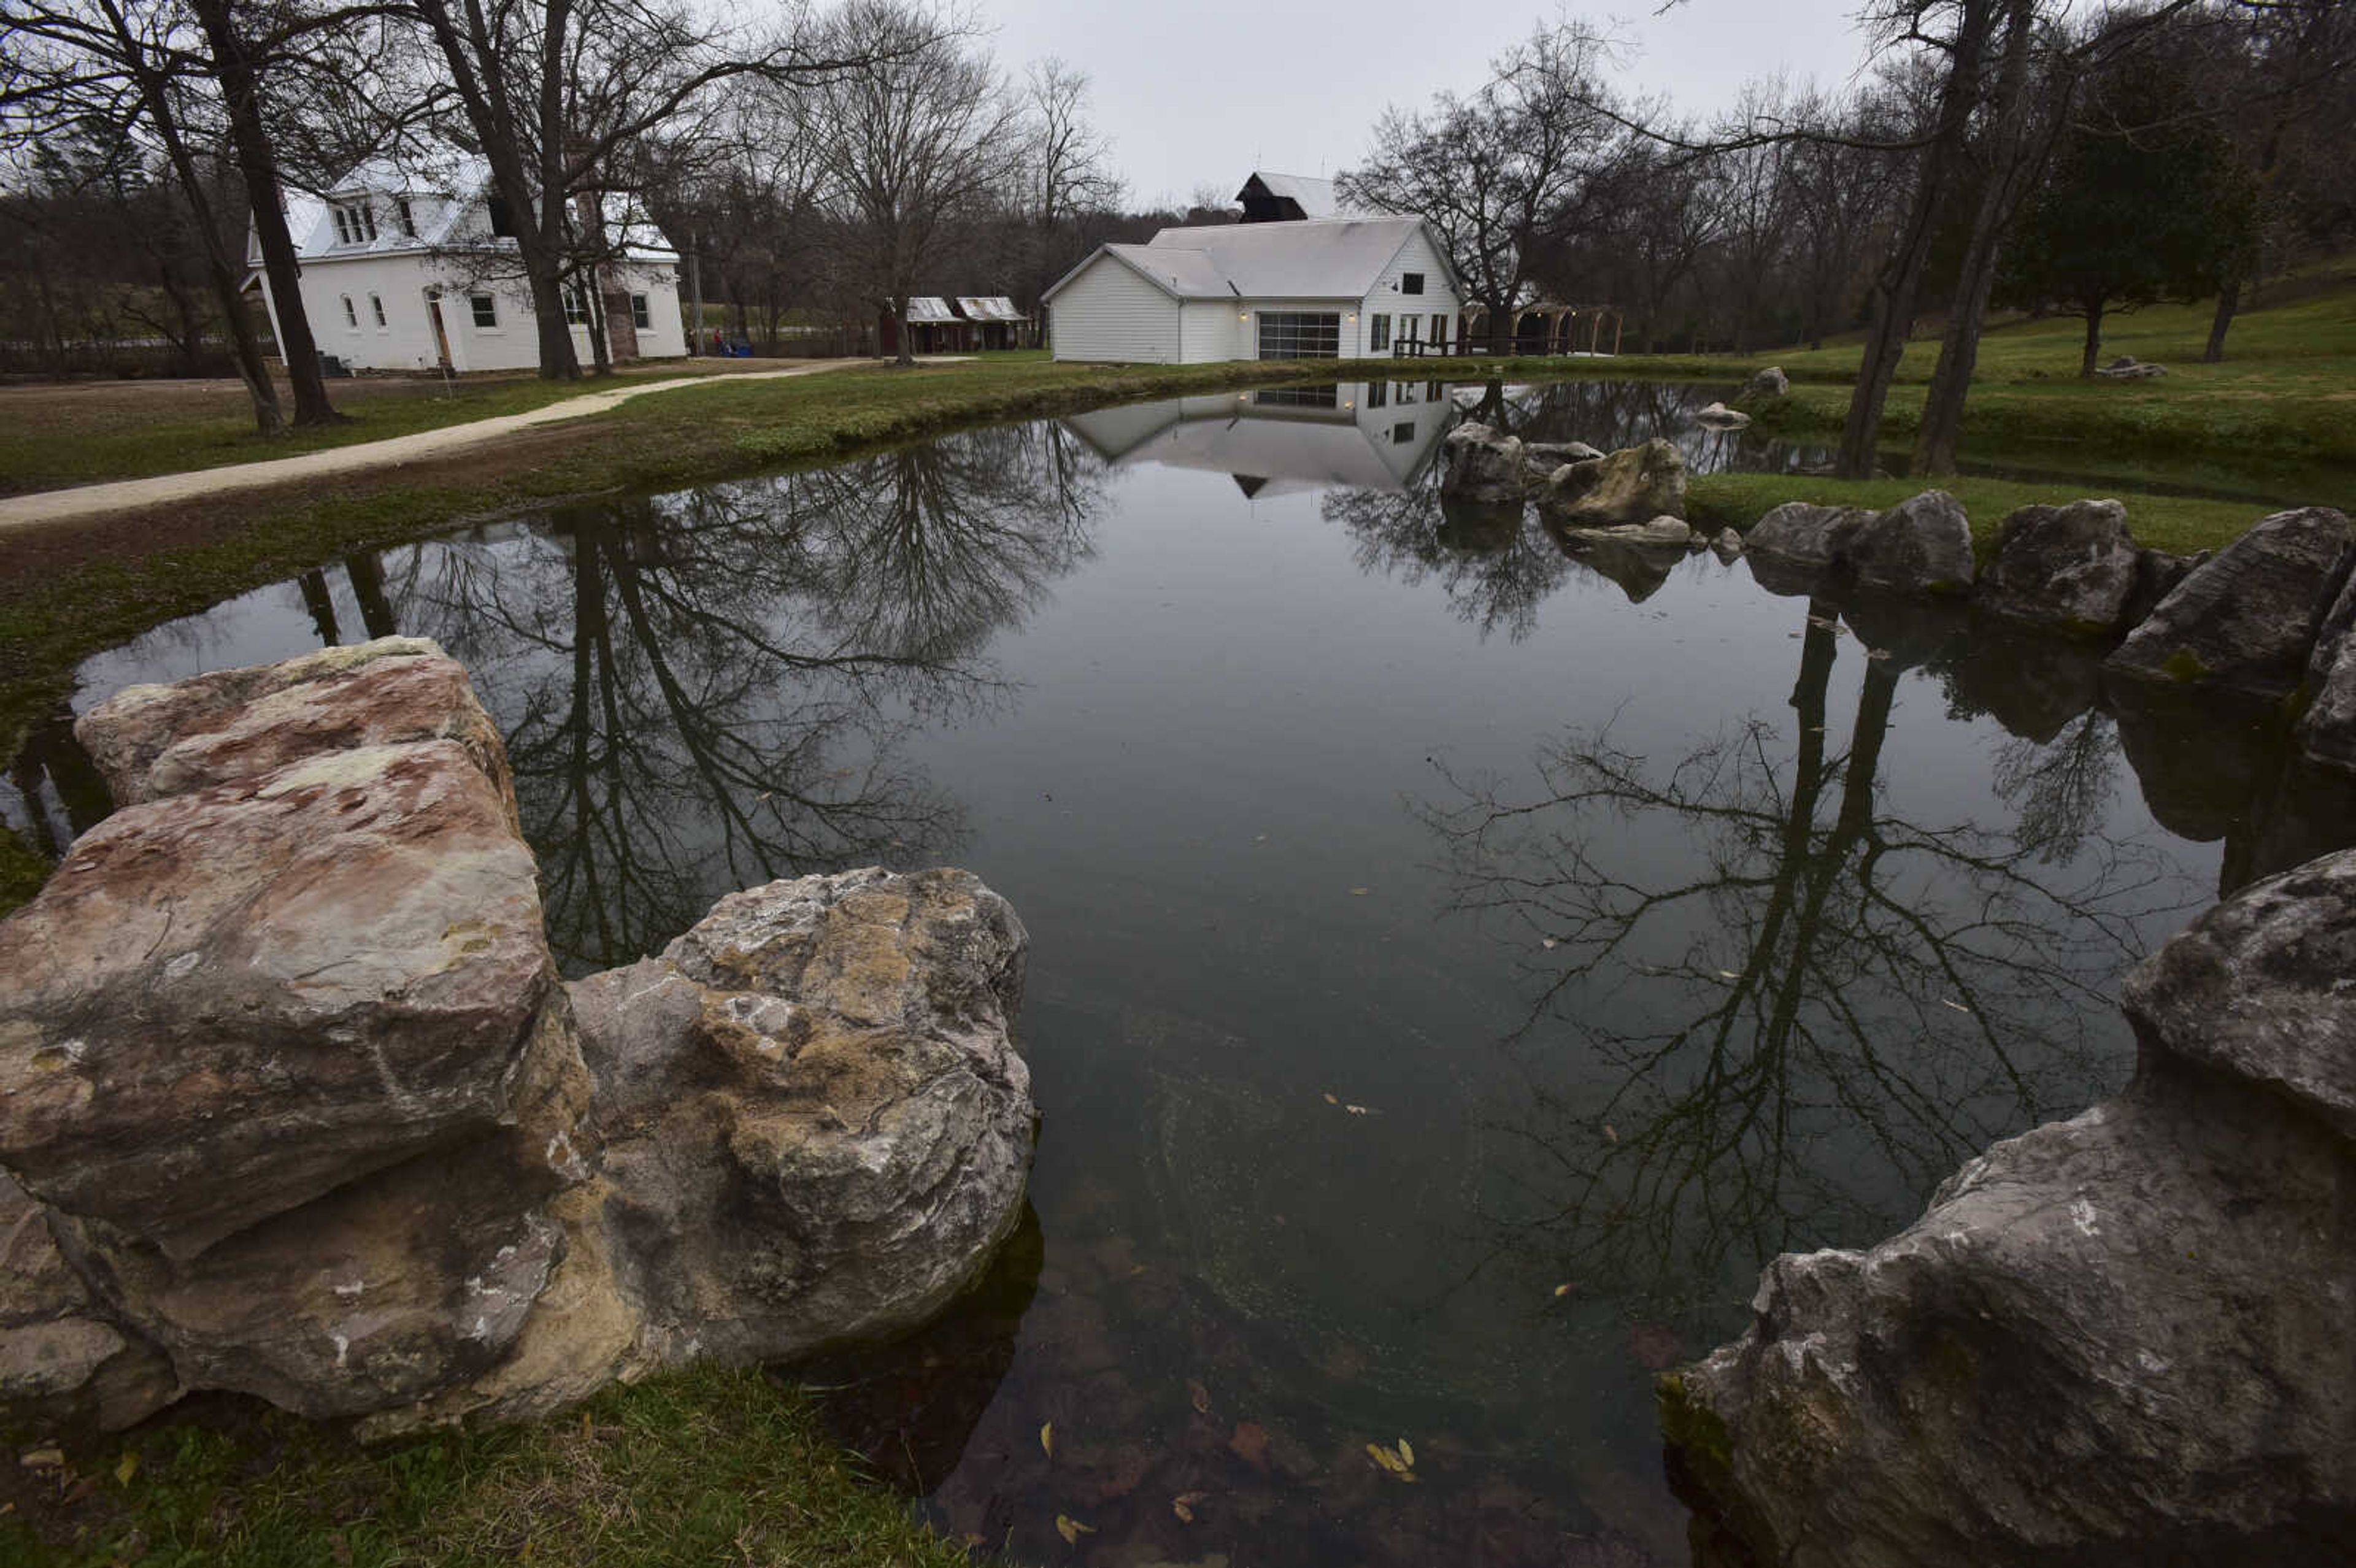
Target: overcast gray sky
1195, 91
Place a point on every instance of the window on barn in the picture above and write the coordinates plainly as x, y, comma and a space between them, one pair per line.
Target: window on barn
1378, 333
641, 317
352, 316
1410, 282
376, 308
485, 309
1300, 334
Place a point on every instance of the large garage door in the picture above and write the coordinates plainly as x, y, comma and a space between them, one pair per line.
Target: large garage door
1300, 334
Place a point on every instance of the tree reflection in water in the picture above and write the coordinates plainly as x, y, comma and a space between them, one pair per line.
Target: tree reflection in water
708, 690
1796, 1007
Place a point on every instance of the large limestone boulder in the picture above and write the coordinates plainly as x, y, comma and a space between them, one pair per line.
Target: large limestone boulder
289, 1069
1805, 534
1770, 382
228, 1003
2326, 726
1635, 485
818, 1129
1922, 545
2123, 1337
2246, 620
62, 1362
1481, 465
2074, 568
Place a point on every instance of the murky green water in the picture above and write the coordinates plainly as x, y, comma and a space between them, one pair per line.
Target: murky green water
1455, 969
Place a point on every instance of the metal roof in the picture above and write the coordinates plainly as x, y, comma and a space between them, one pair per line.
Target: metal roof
1315, 196
930, 307
988, 307
1321, 258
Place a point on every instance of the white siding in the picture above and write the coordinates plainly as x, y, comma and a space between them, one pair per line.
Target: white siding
1109, 314
406, 340
1209, 330
1436, 299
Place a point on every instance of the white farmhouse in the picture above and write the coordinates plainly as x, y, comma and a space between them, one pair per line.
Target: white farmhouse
406, 269
1318, 288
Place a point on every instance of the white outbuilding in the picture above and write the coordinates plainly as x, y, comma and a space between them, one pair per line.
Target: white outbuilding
1319, 288
413, 267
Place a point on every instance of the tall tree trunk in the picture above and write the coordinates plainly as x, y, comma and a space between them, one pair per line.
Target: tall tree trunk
2229, 300
257, 160
2093, 339
2010, 161
1900, 281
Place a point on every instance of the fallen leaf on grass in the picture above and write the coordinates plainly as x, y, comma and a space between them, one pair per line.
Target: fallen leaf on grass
1047, 1439
1184, 1505
1071, 1530
1250, 1443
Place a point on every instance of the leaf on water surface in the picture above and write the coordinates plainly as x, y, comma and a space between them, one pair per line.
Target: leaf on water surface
1406, 1451
1957, 1006
1727, 975
1391, 1461
1198, 1396
1047, 1439
1185, 1504
1357, 1110
43, 1460
1548, 943
1250, 1443
1071, 1530
1611, 1133
1332, 1100
126, 1466
1360, 893
1565, 1288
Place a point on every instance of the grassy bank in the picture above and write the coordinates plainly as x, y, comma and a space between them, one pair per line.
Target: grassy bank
2182, 524
701, 1467
2284, 393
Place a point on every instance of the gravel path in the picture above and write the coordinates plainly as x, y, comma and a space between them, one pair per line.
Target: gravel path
126, 495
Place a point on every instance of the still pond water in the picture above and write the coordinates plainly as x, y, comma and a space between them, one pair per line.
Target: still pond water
1456, 967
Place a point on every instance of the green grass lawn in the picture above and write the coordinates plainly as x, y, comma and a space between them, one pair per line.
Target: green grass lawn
704, 1466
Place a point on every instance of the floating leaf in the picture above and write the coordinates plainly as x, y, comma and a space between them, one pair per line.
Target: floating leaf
1391, 1461
1727, 975
1406, 1452
1199, 1396
1185, 1504
1071, 1530
1611, 1133
1548, 943
43, 1460
126, 1466
1047, 1439
1357, 1110
1565, 1288
1360, 893
1332, 1100
1957, 1006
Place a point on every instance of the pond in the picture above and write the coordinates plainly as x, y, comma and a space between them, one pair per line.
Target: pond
1456, 965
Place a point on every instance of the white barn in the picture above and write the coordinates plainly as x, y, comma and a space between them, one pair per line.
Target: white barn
408, 268
1320, 288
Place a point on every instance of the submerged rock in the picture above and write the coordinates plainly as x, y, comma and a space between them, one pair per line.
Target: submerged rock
299, 1107
2074, 567
1482, 465
2113, 1339
1770, 382
2246, 620
1632, 485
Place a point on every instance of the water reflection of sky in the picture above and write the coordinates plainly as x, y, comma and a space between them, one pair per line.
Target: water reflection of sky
1454, 969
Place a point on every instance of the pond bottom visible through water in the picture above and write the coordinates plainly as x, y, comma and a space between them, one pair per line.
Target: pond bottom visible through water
1458, 962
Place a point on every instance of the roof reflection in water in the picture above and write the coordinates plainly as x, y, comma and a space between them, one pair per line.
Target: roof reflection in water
1276, 441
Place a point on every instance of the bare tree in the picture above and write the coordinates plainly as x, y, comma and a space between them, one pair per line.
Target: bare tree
1066, 167
1492, 174
914, 140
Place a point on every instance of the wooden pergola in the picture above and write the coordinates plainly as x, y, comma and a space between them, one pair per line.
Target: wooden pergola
1547, 327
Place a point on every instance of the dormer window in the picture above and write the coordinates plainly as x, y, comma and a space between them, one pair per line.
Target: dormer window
354, 222
408, 218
